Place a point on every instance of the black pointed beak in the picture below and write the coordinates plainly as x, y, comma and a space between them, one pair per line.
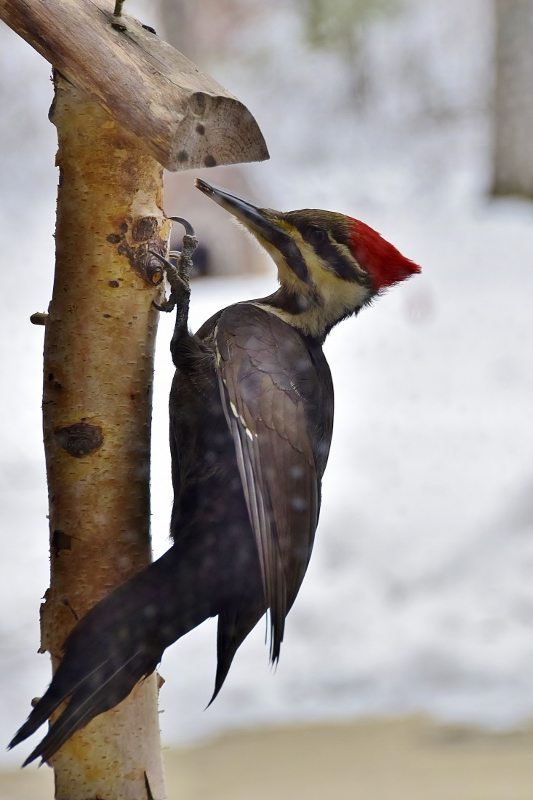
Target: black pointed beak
261, 222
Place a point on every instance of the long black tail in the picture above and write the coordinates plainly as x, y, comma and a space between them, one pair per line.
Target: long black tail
118, 642
235, 621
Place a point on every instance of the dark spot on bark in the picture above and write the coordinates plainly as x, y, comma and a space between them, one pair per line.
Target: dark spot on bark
61, 541
133, 396
144, 229
114, 238
149, 29
107, 316
118, 26
66, 602
183, 156
113, 284
80, 439
123, 227
200, 129
124, 249
58, 385
210, 161
50, 376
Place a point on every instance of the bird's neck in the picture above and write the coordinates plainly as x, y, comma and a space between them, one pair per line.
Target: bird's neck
307, 313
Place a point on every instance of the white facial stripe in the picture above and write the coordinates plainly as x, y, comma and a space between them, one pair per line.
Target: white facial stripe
333, 297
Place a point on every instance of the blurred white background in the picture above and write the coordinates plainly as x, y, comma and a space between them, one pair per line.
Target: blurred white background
419, 595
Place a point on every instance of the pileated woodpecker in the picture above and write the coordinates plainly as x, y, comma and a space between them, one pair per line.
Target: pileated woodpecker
251, 416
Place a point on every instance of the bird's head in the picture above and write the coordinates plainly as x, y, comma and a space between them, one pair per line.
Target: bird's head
329, 265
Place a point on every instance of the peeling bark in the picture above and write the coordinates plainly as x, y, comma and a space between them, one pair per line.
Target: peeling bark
98, 367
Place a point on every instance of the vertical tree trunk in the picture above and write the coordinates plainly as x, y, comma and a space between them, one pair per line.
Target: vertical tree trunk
513, 105
98, 365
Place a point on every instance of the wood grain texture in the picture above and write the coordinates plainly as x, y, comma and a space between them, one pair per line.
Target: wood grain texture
185, 119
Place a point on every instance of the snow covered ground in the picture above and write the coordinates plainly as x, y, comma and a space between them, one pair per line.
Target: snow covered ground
419, 595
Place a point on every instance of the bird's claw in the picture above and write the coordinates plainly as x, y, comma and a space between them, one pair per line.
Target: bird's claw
189, 230
172, 278
178, 276
166, 305
189, 245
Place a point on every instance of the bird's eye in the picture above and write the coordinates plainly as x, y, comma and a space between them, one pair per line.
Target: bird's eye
315, 235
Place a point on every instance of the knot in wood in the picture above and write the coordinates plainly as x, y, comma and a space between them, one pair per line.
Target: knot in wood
80, 439
144, 237
143, 229
148, 266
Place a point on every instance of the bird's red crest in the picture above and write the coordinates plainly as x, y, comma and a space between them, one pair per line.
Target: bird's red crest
381, 259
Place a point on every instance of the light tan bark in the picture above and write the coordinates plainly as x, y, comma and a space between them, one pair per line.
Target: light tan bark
513, 107
185, 118
98, 366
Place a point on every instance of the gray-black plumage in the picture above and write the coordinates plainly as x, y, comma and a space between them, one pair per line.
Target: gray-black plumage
251, 416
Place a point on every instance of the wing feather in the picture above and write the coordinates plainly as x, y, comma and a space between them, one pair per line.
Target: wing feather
262, 365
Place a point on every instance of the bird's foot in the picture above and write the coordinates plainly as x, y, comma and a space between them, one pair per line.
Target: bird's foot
170, 270
178, 276
189, 245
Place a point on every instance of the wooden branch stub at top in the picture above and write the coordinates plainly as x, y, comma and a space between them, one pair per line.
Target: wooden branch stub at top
184, 117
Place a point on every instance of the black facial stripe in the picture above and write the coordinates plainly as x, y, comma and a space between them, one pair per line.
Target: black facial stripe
282, 241
289, 249
336, 260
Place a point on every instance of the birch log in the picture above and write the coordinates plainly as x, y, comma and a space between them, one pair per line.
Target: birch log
98, 365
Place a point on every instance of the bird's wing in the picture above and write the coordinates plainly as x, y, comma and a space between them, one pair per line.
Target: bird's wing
267, 382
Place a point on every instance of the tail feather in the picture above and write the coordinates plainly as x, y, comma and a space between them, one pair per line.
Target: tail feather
89, 701
56, 694
118, 642
234, 625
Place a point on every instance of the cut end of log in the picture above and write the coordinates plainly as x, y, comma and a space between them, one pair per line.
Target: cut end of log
182, 116
216, 130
